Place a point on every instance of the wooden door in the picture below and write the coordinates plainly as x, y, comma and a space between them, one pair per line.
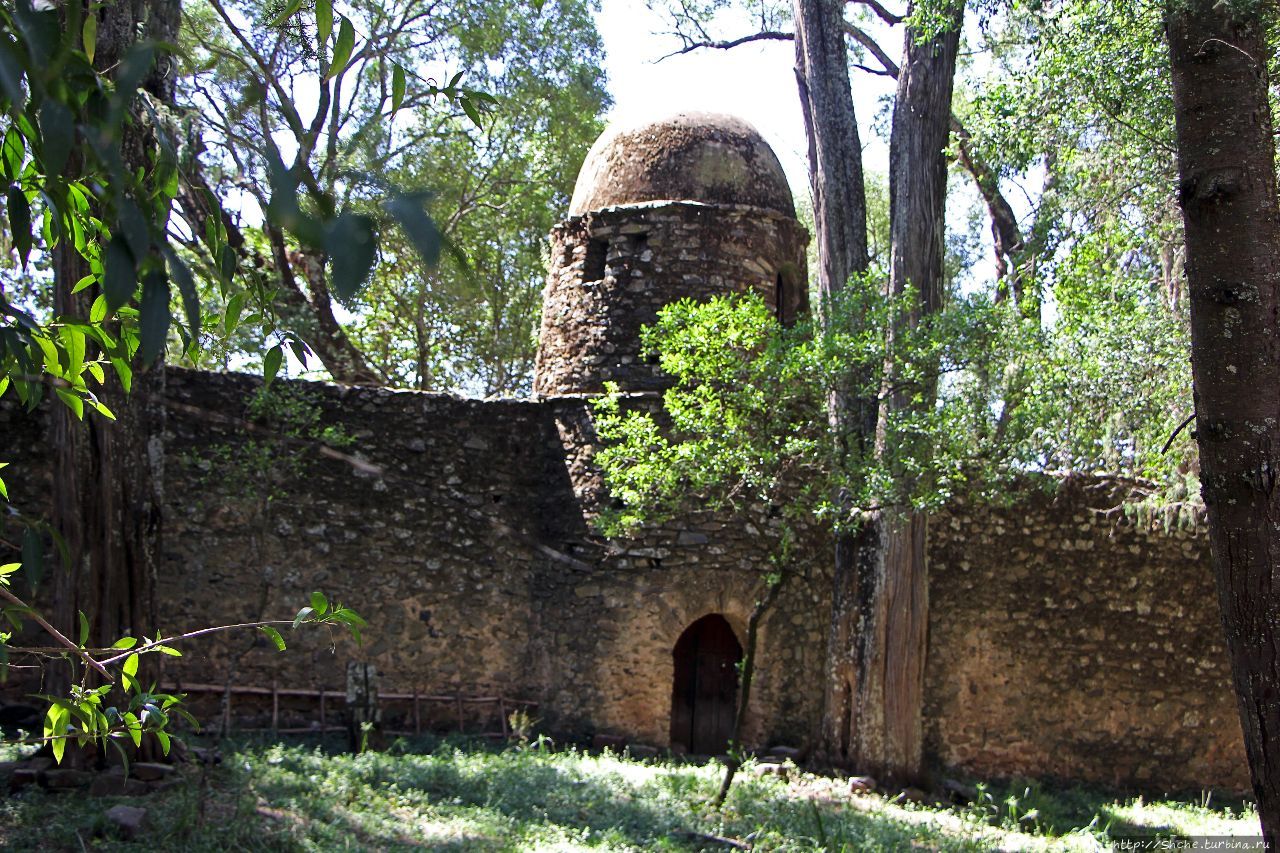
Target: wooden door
704, 695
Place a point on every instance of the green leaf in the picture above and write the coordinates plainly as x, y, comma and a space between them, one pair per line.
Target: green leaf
341, 49
163, 737
134, 727
58, 133
271, 363
133, 70
73, 341
408, 211
469, 107
134, 228
40, 31
291, 8
398, 86
274, 636
300, 351
84, 628
9, 568
59, 746
124, 371
165, 650
20, 222
319, 603
352, 246
11, 72
125, 643
303, 615
231, 319
324, 20
119, 276
12, 153
101, 408
130, 665
49, 350
89, 34
154, 317
180, 273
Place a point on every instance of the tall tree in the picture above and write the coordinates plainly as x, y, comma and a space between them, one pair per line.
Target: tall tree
873, 698
107, 484
1227, 186
491, 182
880, 610
840, 225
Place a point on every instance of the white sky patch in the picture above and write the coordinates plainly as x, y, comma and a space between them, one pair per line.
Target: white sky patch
755, 81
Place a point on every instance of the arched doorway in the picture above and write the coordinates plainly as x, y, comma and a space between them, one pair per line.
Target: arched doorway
705, 692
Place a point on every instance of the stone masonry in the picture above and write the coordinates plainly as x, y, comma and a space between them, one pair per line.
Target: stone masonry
1062, 641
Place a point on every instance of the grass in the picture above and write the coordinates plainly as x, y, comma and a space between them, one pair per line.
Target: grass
447, 795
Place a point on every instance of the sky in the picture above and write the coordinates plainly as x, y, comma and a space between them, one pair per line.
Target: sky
755, 81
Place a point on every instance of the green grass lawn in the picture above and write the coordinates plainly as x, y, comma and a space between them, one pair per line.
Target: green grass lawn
467, 796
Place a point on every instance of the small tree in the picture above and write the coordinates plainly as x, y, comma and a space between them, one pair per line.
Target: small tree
744, 424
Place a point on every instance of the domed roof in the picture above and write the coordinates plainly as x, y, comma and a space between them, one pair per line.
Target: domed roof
692, 156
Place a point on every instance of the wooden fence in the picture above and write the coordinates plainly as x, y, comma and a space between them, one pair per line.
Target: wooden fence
419, 700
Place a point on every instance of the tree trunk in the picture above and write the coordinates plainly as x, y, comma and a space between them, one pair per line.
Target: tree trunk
108, 497
1227, 188
840, 220
313, 310
835, 153
880, 611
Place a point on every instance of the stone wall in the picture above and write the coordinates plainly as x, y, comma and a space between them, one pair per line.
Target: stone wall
461, 530
1067, 641
612, 270
1062, 642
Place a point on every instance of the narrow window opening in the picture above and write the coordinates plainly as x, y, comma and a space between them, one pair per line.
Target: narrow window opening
637, 243
593, 266
780, 299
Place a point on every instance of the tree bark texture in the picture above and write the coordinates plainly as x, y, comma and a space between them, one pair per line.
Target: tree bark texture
1227, 189
835, 152
840, 220
108, 475
880, 611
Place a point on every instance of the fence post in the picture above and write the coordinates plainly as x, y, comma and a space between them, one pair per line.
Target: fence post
362, 705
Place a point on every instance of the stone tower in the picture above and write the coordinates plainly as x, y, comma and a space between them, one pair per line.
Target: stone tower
695, 205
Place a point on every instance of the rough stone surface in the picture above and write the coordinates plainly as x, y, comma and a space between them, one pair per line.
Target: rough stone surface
23, 777
117, 785
1062, 642
63, 777
707, 157
613, 269
150, 772
1066, 642
128, 821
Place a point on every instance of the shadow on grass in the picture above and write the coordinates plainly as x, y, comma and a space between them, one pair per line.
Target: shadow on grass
1059, 808
450, 796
